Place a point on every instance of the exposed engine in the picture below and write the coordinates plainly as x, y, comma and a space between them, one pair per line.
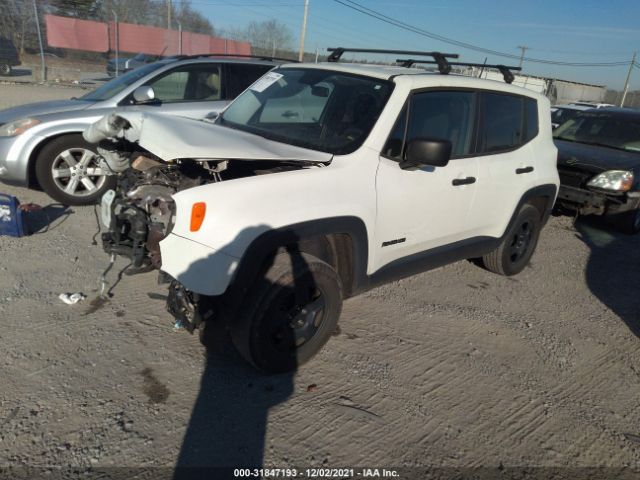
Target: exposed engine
141, 211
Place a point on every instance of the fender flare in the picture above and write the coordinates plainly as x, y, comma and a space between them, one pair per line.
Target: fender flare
267, 244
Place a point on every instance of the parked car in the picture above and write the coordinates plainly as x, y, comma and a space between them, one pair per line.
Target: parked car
41, 143
8, 56
319, 182
562, 113
599, 165
126, 64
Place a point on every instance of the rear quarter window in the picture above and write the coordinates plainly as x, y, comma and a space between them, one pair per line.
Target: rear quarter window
507, 122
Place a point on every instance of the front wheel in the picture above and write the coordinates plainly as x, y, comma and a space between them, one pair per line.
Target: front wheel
289, 313
5, 69
67, 170
518, 244
627, 222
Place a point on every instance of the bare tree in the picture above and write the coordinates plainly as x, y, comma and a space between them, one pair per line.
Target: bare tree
270, 37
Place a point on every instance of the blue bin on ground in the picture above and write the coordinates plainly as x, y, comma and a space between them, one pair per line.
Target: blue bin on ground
12, 219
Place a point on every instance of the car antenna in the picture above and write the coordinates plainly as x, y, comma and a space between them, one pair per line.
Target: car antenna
482, 68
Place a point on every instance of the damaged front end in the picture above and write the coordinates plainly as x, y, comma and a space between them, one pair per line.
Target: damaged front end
153, 164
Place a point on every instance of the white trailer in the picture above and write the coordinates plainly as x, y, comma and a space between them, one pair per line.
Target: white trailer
557, 91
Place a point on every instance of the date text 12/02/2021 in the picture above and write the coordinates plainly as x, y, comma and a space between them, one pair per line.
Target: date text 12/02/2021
315, 473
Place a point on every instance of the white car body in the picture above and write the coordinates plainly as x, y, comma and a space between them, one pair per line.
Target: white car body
403, 212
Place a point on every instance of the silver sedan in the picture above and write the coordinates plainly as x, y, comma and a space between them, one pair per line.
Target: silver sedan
41, 144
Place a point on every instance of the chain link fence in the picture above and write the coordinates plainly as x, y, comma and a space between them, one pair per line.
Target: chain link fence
87, 41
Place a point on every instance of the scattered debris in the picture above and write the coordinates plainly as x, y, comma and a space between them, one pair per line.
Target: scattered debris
30, 207
72, 298
312, 388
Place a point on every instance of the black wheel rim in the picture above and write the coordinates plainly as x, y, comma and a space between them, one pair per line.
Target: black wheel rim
520, 242
297, 318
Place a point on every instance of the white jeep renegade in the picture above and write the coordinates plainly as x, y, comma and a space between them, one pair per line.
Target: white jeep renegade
321, 181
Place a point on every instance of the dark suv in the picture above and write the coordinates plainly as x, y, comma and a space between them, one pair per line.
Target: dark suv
599, 165
8, 56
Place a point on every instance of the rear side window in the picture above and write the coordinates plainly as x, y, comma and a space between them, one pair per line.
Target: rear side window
502, 121
240, 76
507, 122
531, 119
440, 115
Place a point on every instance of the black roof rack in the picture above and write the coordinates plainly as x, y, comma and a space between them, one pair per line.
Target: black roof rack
504, 70
439, 58
237, 55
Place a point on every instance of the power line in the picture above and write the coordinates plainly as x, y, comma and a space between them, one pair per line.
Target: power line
392, 21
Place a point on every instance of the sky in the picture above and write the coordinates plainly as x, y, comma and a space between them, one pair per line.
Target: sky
586, 31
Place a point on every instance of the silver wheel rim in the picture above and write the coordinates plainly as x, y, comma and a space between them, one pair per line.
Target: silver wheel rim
75, 172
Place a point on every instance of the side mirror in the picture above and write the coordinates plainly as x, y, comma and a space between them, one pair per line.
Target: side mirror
144, 94
426, 152
212, 116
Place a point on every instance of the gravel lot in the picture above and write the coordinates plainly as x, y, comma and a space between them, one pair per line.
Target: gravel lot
453, 368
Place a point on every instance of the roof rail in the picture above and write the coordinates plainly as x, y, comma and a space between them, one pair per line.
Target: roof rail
439, 58
504, 70
237, 55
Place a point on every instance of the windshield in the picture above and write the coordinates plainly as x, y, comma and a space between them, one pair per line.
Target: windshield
614, 131
323, 110
117, 85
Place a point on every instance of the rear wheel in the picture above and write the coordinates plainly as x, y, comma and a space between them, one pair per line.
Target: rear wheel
5, 69
289, 314
518, 244
67, 169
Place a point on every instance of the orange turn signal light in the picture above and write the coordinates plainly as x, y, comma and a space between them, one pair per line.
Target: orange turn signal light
197, 215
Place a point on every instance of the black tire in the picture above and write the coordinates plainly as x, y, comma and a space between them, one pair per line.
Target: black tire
5, 69
289, 313
518, 244
57, 155
627, 222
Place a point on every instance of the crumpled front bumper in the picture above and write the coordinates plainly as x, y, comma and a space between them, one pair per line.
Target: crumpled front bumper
587, 202
200, 269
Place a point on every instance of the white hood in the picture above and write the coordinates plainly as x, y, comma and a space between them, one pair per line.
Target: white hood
171, 138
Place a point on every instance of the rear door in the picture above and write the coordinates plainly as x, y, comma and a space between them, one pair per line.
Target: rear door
418, 210
508, 126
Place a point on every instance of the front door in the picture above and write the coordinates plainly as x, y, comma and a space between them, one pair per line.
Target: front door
418, 210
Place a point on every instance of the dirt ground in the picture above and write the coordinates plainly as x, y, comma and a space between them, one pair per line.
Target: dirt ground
454, 368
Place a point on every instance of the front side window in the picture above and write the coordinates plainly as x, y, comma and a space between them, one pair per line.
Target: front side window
323, 110
437, 115
189, 83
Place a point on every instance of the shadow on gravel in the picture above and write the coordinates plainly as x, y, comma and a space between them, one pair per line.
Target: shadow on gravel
50, 217
228, 423
613, 269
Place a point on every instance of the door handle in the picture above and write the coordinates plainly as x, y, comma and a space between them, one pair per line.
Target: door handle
524, 170
463, 181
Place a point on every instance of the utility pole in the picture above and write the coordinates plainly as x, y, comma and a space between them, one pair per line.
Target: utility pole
303, 33
179, 38
117, 39
44, 68
168, 14
626, 82
524, 48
